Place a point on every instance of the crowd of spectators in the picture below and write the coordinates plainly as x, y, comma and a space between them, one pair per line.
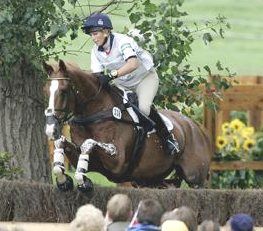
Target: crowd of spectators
150, 216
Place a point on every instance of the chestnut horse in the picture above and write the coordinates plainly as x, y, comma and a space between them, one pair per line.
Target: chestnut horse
108, 144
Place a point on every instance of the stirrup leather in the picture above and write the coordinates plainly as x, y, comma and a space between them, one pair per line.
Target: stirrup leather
172, 145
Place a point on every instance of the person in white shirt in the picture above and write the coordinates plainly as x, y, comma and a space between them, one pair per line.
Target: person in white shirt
130, 67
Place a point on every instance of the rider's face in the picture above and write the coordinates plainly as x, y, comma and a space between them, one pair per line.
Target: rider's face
98, 37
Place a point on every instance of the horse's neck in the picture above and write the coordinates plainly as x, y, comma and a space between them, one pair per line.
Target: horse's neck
85, 82
89, 88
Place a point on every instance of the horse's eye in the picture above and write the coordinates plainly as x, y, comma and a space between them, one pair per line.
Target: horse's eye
63, 93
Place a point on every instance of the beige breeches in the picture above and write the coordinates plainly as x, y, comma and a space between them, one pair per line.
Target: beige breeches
146, 91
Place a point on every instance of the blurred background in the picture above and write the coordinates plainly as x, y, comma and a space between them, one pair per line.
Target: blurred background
242, 48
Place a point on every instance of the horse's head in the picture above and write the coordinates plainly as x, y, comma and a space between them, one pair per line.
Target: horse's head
60, 99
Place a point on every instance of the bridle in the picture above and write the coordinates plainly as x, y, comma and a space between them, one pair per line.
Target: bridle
51, 112
67, 113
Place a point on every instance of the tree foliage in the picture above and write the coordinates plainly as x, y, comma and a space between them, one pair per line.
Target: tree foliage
6, 170
29, 27
167, 37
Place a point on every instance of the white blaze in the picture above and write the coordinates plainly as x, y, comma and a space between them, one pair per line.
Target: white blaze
51, 108
53, 87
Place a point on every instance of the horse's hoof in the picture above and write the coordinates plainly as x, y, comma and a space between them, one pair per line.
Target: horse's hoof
67, 185
87, 186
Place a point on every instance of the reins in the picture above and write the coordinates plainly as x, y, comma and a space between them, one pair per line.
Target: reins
60, 78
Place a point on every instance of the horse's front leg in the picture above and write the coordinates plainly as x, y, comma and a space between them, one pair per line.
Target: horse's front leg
84, 183
64, 182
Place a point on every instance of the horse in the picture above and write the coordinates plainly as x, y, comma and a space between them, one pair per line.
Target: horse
104, 137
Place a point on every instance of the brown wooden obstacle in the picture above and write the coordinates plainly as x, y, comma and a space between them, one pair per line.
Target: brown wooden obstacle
246, 96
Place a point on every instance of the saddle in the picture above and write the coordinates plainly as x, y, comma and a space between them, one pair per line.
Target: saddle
130, 101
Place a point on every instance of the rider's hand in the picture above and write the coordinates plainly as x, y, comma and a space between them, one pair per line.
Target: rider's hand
104, 79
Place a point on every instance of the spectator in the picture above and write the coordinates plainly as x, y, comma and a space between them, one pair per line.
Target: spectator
209, 225
241, 222
147, 216
3, 229
185, 214
174, 225
88, 218
119, 212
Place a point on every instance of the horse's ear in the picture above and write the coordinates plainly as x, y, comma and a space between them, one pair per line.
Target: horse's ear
62, 66
48, 68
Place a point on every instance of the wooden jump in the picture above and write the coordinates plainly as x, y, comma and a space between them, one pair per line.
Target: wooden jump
246, 96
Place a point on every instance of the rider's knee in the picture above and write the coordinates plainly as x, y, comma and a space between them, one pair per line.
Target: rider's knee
145, 108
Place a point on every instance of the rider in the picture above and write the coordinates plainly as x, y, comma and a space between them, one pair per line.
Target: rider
131, 67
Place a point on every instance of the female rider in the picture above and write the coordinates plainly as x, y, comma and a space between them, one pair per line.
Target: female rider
131, 67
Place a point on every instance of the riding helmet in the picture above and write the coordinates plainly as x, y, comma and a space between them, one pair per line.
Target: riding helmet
95, 22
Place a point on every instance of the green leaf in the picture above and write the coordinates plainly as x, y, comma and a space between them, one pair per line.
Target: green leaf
135, 17
221, 32
207, 38
207, 68
219, 66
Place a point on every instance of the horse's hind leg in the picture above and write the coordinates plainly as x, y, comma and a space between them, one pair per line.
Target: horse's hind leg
64, 182
176, 178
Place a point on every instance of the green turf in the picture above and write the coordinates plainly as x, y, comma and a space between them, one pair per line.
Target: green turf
242, 48
96, 178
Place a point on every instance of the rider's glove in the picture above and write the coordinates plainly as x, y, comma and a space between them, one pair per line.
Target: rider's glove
104, 79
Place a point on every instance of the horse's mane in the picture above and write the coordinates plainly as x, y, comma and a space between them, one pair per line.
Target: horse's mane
85, 76
71, 65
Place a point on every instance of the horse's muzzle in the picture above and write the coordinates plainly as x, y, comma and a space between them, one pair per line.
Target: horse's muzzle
53, 128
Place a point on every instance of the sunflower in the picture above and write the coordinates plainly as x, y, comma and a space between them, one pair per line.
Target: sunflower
226, 128
248, 144
237, 125
248, 131
236, 143
221, 142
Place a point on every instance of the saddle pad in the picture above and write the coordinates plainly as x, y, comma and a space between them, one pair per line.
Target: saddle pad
167, 121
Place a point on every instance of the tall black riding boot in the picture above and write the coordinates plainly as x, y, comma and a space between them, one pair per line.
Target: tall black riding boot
147, 123
168, 140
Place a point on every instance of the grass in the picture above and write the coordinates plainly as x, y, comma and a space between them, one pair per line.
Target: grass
241, 50
96, 178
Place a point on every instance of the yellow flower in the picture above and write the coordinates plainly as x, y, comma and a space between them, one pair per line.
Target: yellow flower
236, 143
226, 128
221, 142
248, 144
248, 131
237, 125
